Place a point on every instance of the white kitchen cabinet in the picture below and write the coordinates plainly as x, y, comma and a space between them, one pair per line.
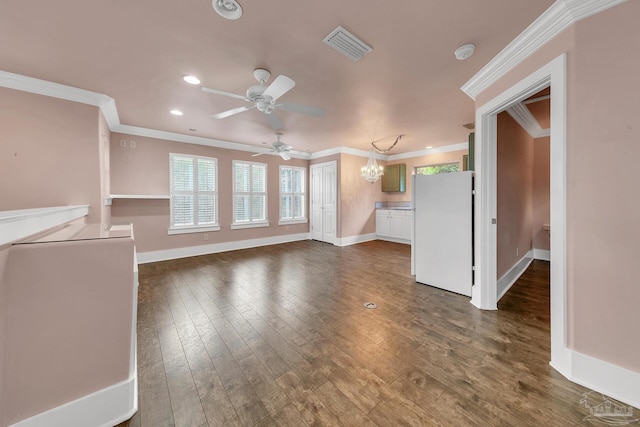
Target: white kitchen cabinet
394, 225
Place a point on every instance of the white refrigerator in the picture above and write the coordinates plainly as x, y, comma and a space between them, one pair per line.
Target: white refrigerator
443, 231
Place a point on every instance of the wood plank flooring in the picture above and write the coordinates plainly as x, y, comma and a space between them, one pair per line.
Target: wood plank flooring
279, 336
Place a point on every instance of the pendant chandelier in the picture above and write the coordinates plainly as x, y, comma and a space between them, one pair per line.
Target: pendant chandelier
372, 171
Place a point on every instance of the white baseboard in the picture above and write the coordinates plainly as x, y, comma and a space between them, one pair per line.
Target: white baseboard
104, 408
510, 277
604, 377
167, 254
542, 254
393, 239
352, 240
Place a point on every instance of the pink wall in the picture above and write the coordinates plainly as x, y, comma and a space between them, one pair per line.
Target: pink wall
51, 150
603, 203
69, 322
602, 207
515, 193
358, 198
145, 170
541, 192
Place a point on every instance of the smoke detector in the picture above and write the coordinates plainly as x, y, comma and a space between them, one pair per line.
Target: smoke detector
464, 52
229, 9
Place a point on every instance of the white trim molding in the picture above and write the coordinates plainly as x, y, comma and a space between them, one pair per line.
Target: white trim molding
18, 224
560, 16
523, 116
109, 110
427, 152
604, 377
484, 293
542, 254
104, 408
510, 277
189, 251
354, 240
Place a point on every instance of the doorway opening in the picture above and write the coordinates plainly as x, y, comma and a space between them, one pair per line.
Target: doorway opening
484, 293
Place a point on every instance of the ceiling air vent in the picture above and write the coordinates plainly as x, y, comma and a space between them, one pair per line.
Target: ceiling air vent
347, 44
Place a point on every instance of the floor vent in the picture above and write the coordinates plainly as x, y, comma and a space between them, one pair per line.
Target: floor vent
347, 44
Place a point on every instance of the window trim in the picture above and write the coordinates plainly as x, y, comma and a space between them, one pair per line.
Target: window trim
303, 219
251, 223
193, 228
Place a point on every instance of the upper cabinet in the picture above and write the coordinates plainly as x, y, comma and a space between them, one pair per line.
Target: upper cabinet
394, 178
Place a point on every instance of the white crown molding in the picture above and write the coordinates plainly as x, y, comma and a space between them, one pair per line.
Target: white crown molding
430, 151
55, 90
108, 108
344, 150
523, 116
190, 139
561, 15
410, 155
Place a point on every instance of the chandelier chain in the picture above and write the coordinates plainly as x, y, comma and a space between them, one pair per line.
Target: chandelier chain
380, 150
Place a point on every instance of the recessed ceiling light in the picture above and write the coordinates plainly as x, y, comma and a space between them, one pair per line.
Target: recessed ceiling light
429, 147
229, 9
192, 80
176, 112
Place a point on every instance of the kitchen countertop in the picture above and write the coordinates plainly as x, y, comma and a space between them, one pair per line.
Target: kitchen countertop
395, 206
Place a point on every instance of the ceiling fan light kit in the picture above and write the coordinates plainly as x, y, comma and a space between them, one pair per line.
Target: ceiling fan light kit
278, 147
266, 99
229, 9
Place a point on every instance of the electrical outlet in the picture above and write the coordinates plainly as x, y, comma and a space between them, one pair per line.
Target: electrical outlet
123, 143
205, 236
132, 144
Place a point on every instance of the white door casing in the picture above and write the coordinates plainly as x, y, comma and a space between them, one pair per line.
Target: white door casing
485, 291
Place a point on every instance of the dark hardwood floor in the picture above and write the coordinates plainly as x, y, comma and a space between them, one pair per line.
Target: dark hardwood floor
279, 336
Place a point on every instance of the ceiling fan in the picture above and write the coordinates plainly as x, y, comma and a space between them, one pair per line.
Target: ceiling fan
279, 147
266, 99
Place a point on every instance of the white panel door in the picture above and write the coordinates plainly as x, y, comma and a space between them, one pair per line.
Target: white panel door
324, 202
443, 231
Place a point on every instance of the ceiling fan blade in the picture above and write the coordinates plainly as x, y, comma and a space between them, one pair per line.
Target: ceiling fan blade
304, 109
221, 92
274, 121
280, 86
285, 155
257, 154
232, 112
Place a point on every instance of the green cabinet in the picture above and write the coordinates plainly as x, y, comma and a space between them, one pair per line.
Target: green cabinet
394, 178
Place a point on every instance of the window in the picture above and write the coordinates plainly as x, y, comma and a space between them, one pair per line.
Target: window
435, 169
194, 193
249, 194
292, 195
